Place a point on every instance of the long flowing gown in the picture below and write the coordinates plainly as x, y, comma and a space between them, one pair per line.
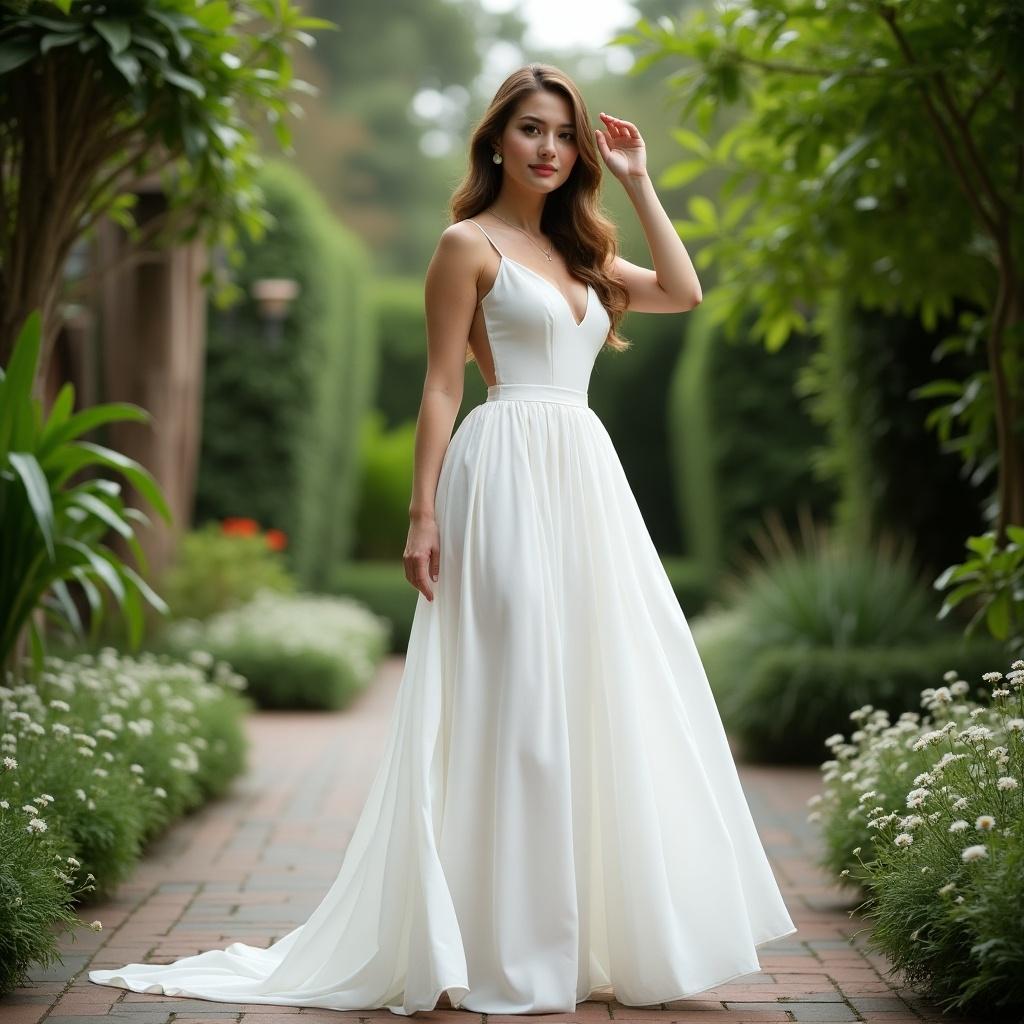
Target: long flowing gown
557, 810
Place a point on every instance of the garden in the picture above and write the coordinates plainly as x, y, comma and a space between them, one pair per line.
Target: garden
212, 354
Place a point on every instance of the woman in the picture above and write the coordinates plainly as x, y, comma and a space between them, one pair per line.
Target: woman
557, 811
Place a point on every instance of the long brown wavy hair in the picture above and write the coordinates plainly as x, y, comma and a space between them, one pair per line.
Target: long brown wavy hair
572, 217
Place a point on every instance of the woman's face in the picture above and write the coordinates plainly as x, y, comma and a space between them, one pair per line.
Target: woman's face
541, 131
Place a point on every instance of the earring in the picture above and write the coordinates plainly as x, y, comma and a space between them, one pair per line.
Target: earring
496, 158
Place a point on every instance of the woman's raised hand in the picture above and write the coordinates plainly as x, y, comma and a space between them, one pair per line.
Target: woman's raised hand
622, 147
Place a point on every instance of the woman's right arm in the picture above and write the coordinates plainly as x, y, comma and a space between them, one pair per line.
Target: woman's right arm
450, 291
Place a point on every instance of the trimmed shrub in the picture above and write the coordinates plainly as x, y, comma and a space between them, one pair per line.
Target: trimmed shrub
296, 651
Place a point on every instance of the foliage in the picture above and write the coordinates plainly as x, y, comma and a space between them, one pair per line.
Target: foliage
296, 651
281, 410
936, 840
879, 453
382, 519
739, 443
121, 91
99, 754
217, 567
809, 625
874, 157
51, 530
994, 578
383, 588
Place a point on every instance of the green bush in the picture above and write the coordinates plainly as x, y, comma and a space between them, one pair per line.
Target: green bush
926, 816
296, 651
689, 581
383, 588
811, 625
98, 755
382, 521
214, 570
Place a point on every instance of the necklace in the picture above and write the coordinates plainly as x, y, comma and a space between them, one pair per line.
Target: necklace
547, 253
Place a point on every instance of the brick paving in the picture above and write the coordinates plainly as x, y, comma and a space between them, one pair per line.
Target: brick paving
251, 866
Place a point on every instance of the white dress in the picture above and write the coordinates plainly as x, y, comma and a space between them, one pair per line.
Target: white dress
557, 810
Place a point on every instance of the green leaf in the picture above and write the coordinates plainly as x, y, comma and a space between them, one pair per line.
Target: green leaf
128, 65
997, 616
102, 567
139, 477
87, 420
117, 33
682, 173
704, 210
20, 375
184, 82
15, 52
38, 490
54, 39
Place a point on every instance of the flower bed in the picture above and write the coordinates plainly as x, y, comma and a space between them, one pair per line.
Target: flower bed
926, 816
97, 756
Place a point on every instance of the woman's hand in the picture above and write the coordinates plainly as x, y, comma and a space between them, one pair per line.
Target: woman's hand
422, 552
622, 147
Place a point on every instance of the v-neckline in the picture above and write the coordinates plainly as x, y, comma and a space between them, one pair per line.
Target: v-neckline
554, 287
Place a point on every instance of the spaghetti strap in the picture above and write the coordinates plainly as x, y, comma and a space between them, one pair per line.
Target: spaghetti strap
486, 235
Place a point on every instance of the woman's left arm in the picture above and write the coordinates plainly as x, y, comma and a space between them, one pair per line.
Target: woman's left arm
672, 286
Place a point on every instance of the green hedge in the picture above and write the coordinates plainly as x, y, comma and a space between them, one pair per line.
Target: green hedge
740, 442
281, 419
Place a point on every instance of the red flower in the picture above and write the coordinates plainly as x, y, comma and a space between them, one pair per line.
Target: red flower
277, 539
239, 526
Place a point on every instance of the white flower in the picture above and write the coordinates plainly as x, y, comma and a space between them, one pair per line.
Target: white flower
36, 825
911, 821
959, 825
970, 853
9, 763
992, 677
1015, 725
159, 791
96, 926
948, 887
1006, 782
903, 839
834, 739
60, 705
916, 797
5, 804
985, 823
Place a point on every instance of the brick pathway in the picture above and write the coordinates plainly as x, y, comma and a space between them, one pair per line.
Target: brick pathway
252, 866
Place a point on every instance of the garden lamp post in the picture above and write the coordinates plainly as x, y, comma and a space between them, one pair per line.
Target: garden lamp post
274, 295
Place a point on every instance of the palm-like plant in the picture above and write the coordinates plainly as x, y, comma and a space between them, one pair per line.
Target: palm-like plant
51, 530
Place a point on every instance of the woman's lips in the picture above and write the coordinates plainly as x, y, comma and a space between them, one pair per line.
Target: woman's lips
544, 172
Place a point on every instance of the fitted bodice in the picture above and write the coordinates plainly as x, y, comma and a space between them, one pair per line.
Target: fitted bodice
533, 334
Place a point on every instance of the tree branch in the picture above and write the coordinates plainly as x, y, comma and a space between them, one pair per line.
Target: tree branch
948, 146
